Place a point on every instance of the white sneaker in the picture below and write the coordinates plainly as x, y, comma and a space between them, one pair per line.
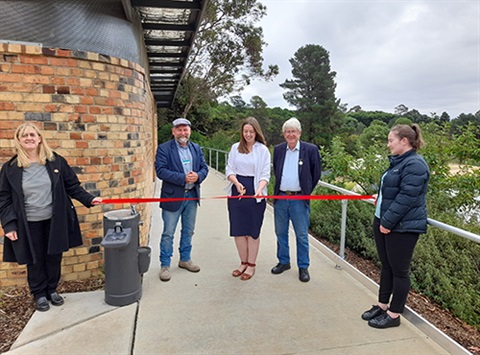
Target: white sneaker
189, 265
165, 273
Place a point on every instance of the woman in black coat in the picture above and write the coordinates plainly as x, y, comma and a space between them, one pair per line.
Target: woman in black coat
400, 217
36, 213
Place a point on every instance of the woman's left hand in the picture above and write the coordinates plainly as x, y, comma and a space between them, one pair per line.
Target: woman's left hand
259, 193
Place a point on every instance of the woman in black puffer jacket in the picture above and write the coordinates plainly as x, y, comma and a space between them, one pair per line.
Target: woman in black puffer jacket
400, 217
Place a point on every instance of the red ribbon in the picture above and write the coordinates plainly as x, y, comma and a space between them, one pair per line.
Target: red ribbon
283, 197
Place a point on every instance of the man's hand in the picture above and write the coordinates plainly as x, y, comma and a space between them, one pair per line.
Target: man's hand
191, 177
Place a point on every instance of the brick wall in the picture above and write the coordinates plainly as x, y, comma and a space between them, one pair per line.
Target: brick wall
97, 112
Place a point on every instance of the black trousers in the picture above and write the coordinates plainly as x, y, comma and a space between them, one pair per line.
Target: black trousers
395, 251
44, 275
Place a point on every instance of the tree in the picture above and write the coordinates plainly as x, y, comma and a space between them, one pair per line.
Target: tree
227, 53
312, 92
444, 118
374, 135
401, 110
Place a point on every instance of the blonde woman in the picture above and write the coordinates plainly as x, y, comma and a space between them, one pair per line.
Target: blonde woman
37, 214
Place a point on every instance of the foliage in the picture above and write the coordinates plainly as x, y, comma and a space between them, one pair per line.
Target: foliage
367, 117
374, 135
326, 216
445, 267
364, 172
312, 92
227, 52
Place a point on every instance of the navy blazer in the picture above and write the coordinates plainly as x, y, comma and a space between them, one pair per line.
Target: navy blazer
309, 167
169, 169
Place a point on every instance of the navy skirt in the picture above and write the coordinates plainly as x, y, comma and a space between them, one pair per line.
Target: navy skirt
246, 215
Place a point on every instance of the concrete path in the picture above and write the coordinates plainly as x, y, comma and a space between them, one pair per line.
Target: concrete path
211, 312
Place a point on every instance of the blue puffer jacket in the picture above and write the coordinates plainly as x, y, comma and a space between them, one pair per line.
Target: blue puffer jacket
403, 207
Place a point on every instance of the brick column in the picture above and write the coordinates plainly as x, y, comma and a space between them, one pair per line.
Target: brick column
97, 112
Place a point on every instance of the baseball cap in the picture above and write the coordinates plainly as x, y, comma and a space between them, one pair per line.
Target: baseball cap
181, 121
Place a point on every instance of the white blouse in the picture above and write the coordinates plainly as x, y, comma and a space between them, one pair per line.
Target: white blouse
241, 164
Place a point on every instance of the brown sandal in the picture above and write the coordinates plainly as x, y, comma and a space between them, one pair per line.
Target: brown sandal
237, 273
245, 276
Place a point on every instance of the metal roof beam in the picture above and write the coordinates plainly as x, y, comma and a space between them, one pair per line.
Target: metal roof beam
191, 5
168, 27
167, 55
167, 43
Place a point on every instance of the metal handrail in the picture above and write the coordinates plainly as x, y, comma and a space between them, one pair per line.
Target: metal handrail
443, 226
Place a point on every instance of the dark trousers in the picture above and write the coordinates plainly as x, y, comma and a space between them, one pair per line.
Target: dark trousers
44, 275
395, 251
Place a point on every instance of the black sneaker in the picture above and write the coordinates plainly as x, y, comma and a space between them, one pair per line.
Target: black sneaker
384, 321
373, 312
56, 299
41, 304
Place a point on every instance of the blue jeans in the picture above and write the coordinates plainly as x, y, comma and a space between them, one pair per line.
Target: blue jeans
299, 213
188, 212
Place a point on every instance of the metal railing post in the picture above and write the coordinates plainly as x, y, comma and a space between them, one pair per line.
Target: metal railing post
226, 162
343, 228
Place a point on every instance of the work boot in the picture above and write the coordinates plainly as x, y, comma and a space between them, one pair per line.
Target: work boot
165, 273
189, 265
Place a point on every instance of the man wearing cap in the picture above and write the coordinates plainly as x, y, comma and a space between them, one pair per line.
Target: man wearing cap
297, 167
182, 168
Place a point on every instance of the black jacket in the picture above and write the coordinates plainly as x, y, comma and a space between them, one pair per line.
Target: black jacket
404, 187
64, 229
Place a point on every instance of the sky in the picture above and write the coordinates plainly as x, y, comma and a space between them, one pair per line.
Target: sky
422, 54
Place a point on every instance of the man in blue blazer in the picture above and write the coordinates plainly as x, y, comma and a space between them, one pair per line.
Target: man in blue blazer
181, 166
297, 167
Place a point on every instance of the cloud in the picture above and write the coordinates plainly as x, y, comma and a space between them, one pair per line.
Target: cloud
424, 54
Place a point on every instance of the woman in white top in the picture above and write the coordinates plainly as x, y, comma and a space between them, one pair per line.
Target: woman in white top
248, 171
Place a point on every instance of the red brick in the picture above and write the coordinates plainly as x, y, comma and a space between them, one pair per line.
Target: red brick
64, 53
25, 69
44, 70
86, 100
91, 92
81, 109
34, 59
95, 110
6, 106
64, 90
81, 145
48, 89
50, 108
58, 80
77, 90
76, 135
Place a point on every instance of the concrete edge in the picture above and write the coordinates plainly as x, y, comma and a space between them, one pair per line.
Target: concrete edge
36, 345
16, 346
413, 317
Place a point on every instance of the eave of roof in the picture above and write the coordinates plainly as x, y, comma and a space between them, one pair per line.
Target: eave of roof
169, 28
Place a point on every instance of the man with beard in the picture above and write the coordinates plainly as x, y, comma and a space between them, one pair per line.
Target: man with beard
181, 166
